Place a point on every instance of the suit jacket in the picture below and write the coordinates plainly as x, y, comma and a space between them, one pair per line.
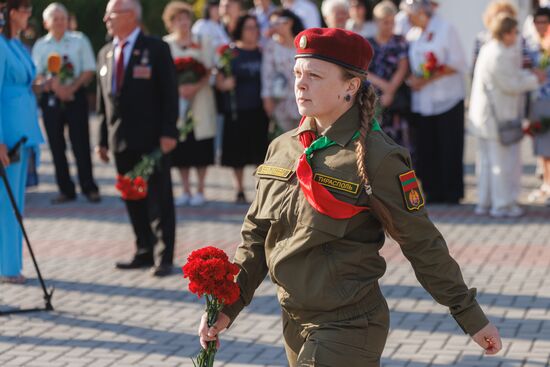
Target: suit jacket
146, 107
18, 109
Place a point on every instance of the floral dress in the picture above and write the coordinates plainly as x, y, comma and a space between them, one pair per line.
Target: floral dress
384, 65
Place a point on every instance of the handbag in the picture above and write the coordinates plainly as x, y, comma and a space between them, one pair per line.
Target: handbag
509, 131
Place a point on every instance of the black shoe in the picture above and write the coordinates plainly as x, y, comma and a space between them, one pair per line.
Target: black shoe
136, 263
241, 199
62, 199
93, 197
162, 270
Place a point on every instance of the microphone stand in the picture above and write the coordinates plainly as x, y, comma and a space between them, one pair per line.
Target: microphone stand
47, 295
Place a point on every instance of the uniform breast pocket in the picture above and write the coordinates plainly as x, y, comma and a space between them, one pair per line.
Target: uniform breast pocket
274, 183
344, 188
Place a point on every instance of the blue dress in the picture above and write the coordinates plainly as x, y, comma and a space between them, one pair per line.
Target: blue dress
18, 118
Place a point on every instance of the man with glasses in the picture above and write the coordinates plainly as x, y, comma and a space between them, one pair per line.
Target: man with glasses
64, 101
138, 109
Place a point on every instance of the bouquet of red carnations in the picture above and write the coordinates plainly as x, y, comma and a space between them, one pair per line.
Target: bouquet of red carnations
226, 54
211, 274
430, 66
189, 70
133, 184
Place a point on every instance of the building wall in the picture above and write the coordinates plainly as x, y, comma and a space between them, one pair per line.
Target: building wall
466, 15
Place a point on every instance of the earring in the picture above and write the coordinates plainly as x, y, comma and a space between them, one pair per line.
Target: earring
347, 98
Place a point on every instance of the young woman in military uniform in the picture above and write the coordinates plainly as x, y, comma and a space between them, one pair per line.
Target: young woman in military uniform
326, 194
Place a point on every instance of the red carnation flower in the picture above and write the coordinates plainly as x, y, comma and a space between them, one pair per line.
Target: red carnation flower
212, 275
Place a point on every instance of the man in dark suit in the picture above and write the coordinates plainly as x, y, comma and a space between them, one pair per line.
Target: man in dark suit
138, 107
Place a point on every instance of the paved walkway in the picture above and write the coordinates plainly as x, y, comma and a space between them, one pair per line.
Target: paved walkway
105, 317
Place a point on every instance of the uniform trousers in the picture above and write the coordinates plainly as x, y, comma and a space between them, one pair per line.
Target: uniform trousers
356, 342
11, 237
153, 218
498, 170
439, 146
73, 114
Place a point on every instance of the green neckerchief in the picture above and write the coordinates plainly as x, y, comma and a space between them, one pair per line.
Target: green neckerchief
324, 141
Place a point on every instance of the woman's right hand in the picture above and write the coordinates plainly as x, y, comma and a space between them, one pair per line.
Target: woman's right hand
488, 338
4, 158
207, 334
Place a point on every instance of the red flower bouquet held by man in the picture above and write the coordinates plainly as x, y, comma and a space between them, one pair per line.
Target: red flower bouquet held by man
133, 185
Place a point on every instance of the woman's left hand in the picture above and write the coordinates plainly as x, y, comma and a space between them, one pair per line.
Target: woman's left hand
488, 338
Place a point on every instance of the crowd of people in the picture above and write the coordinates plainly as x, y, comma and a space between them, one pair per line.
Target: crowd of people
245, 97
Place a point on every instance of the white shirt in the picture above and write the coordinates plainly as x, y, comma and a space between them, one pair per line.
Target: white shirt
130, 42
75, 45
367, 30
441, 38
117, 44
402, 25
212, 30
308, 13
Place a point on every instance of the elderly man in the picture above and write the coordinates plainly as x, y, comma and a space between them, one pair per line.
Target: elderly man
138, 108
64, 100
335, 13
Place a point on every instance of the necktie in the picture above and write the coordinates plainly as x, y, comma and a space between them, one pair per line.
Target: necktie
119, 75
316, 194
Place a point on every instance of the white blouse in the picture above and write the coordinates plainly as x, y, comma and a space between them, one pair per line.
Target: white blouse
441, 38
203, 105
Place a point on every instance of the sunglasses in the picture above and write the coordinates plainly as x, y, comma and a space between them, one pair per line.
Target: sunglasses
278, 21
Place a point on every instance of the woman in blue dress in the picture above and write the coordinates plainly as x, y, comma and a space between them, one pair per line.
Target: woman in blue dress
18, 118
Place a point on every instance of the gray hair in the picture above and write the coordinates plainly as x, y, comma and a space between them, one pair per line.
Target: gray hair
414, 6
47, 14
328, 6
136, 5
384, 9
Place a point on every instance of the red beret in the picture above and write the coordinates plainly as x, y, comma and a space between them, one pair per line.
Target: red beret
338, 46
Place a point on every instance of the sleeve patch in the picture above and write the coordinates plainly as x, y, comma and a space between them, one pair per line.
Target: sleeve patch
412, 193
265, 170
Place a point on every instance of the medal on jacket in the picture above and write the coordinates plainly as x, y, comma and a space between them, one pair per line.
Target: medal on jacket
316, 194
